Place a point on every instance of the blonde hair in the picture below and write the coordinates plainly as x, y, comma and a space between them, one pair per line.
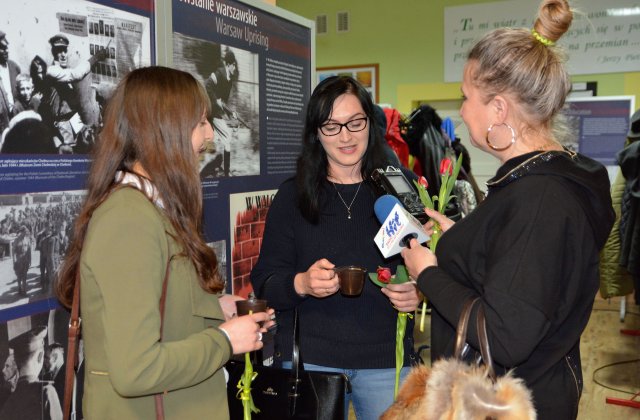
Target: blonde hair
512, 61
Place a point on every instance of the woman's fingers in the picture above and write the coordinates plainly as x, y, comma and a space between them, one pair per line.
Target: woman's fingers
444, 222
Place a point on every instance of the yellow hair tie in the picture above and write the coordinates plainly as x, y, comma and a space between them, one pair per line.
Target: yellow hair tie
542, 39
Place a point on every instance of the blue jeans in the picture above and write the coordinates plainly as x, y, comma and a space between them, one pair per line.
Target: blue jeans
371, 389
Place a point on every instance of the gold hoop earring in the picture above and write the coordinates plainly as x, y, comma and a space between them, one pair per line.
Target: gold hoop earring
500, 149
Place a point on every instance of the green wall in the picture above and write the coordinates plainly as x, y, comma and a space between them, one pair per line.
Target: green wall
406, 39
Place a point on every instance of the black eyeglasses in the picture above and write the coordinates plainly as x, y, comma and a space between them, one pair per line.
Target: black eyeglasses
355, 125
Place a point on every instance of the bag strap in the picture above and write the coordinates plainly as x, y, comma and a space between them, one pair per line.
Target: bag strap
74, 342
481, 327
296, 366
463, 324
163, 299
483, 341
72, 347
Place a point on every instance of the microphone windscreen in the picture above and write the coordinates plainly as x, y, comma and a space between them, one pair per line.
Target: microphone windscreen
384, 205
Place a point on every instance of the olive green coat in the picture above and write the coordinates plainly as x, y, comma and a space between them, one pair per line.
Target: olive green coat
615, 280
123, 264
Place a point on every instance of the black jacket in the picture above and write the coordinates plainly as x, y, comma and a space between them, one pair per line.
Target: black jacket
530, 251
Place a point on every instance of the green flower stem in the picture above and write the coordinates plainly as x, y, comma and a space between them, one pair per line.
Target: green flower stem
401, 326
446, 187
422, 315
435, 237
244, 388
443, 196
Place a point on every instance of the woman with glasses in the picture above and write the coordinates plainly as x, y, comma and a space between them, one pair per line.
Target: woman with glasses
321, 219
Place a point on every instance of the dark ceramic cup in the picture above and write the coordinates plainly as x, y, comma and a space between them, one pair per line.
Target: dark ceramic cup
351, 279
252, 305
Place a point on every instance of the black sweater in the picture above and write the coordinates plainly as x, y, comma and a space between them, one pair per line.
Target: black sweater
344, 332
530, 251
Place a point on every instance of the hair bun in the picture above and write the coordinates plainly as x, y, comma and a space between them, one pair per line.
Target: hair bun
554, 19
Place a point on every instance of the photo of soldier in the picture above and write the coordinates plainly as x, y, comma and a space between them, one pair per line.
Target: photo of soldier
71, 106
231, 77
9, 70
22, 258
32, 350
52, 369
70, 82
219, 85
9, 376
34, 233
48, 243
32, 397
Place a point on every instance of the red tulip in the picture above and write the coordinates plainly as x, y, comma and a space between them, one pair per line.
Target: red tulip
423, 181
446, 166
384, 274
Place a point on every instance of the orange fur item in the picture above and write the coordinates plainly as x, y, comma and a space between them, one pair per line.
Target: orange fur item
454, 390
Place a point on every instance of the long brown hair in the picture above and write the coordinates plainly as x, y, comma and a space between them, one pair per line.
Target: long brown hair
149, 120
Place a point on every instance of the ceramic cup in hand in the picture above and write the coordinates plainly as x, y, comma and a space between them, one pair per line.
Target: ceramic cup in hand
351, 279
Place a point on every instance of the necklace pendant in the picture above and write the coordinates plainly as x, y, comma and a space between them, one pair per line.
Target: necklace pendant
344, 202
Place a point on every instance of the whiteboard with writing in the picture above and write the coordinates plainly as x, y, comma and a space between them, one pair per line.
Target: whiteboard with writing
604, 36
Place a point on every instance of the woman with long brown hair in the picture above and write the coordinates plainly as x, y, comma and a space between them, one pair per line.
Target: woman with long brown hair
142, 219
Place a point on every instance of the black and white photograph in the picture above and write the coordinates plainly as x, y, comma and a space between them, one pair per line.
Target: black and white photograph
35, 229
230, 76
220, 248
32, 354
58, 67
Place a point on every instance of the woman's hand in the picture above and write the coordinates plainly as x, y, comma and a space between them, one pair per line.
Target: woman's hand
404, 297
245, 333
319, 280
228, 304
417, 258
444, 222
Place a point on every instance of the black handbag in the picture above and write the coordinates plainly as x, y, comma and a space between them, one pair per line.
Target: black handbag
290, 394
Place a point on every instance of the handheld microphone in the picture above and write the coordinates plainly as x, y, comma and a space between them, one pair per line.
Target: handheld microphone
398, 226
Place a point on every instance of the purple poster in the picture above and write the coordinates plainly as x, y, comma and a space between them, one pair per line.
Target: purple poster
600, 125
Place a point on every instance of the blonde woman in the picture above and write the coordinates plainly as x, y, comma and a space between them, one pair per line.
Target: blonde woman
530, 250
